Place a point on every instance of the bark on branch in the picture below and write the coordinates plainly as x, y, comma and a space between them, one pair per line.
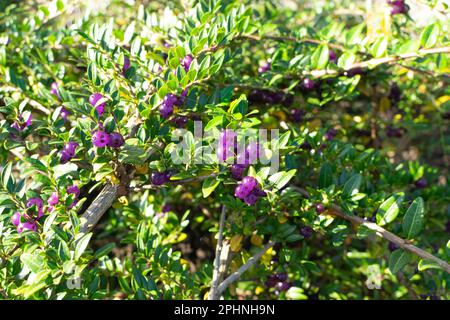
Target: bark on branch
383, 233
98, 207
216, 273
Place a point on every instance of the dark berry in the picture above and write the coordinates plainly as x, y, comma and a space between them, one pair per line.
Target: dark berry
116, 140
237, 171
264, 67
100, 139
297, 115
306, 232
332, 56
93, 100
159, 178
308, 84
186, 62
393, 246
421, 183
320, 208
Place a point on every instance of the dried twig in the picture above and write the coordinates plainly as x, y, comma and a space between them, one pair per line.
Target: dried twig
238, 273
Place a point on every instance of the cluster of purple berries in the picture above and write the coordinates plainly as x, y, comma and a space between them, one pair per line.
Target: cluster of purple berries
68, 152
227, 148
249, 191
101, 139
64, 113
262, 96
278, 282
331, 134
398, 7
27, 221
395, 94
392, 132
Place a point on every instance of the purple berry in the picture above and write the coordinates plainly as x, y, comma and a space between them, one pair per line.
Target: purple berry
272, 280
35, 202
186, 62
421, 183
297, 115
332, 57
320, 208
308, 84
249, 183
283, 286
64, 113
392, 246
54, 90
93, 100
159, 178
242, 158
70, 148
100, 139
15, 219
166, 208
330, 134
264, 67
237, 170
26, 226
251, 199
306, 232
65, 157
398, 7
179, 121
126, 65
241, 192
73, 189
53, 200
116, 140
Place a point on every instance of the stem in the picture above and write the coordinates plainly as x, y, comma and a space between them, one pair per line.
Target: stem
215, 280
237, 274
384, 60
383, 233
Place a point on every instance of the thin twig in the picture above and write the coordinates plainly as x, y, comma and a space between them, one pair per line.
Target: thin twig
383, 233
215, 279
238, 273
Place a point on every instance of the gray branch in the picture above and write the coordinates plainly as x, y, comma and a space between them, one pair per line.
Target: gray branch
98, 207
216, 273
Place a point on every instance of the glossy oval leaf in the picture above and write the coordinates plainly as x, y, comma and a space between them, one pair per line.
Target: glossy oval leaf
414, 217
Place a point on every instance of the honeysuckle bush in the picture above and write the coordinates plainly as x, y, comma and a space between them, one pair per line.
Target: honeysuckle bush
92, 93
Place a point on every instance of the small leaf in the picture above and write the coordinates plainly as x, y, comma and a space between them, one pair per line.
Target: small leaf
413, 220
389, 209
352, 185
280, 179
398, 259
325, 175
427, 264
320, 57
430, 35
209, 185
81, 245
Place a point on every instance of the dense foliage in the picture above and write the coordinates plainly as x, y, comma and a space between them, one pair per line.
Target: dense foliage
92, 94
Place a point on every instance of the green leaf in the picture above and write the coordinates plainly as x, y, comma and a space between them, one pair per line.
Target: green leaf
81, 245
34, 262
320, 57
398, 259
280, 179
214, 122
413, 220
103, 251
389, 209
209, 185
430, 35
352, 185
379, 48
425, 264
325, 176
